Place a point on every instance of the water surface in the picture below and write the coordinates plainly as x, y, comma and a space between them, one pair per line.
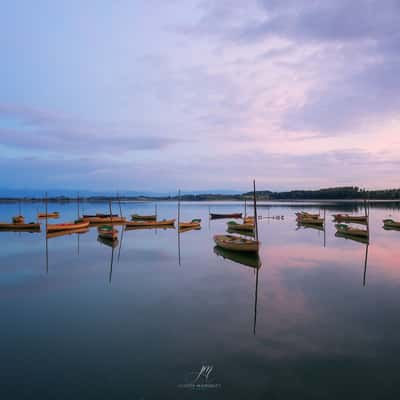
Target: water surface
315, 321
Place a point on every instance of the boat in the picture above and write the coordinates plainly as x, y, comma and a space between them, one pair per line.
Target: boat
55, 234
107, 232
150, 224
390, 223
240, 227
54, 214
19, 219
137, 217
361, 219
221, 216
249, 259
310, 220
79, 224
236, 243
304, 214
194, 223
93, 220
248, 220
347, 230
99, 215
32, 226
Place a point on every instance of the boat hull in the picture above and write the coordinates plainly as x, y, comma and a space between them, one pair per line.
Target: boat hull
19, 227
67, 226
150, 224
221, 216
137, 217
235, 243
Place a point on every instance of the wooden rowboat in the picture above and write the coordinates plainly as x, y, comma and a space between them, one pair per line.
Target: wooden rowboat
236, 243
248, 220
347, 230
304, 214
54, 214
137, 217
150, 224
194, 223
107, 232
240, 227
19, 219
390, 223
310, 220
244, 233
361, 219
4, 226
104, 220
220, 216
67, 226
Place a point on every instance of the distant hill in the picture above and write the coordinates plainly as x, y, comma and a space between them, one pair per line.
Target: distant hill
335, 193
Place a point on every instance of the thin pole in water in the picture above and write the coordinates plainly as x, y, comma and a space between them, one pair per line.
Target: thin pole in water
47, 246
365, 265
255, 208
324, 227
245, 208
179, 234
77, 205
119, 203
155, 210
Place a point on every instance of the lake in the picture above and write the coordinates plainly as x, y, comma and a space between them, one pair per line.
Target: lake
151, 320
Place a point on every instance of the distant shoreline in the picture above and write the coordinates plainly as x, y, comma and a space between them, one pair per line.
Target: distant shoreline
347, 193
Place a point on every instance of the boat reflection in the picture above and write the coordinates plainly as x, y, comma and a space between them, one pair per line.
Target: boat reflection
113, 244
251, 260
189, 228
81, 231
359, 239
303, 225
248, 259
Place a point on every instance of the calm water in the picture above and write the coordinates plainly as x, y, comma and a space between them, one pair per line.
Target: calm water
313, 323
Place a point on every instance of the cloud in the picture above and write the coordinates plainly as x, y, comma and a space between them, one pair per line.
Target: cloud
353, 74
35, 129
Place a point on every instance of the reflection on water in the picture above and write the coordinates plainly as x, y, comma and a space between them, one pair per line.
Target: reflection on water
86, 318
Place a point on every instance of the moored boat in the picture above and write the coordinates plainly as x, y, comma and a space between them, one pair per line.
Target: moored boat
390, 223
310, 220
347, 230
54, 214
79, 224
221, 216
32, 226
150, 224
18, 219
361, 219
108, 242
304, 214
358, 239
194, 223
107, 232
236, 243
240, 227
138, 217
248, 220
104, 220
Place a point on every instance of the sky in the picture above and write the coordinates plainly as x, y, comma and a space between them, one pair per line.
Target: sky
199, 94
